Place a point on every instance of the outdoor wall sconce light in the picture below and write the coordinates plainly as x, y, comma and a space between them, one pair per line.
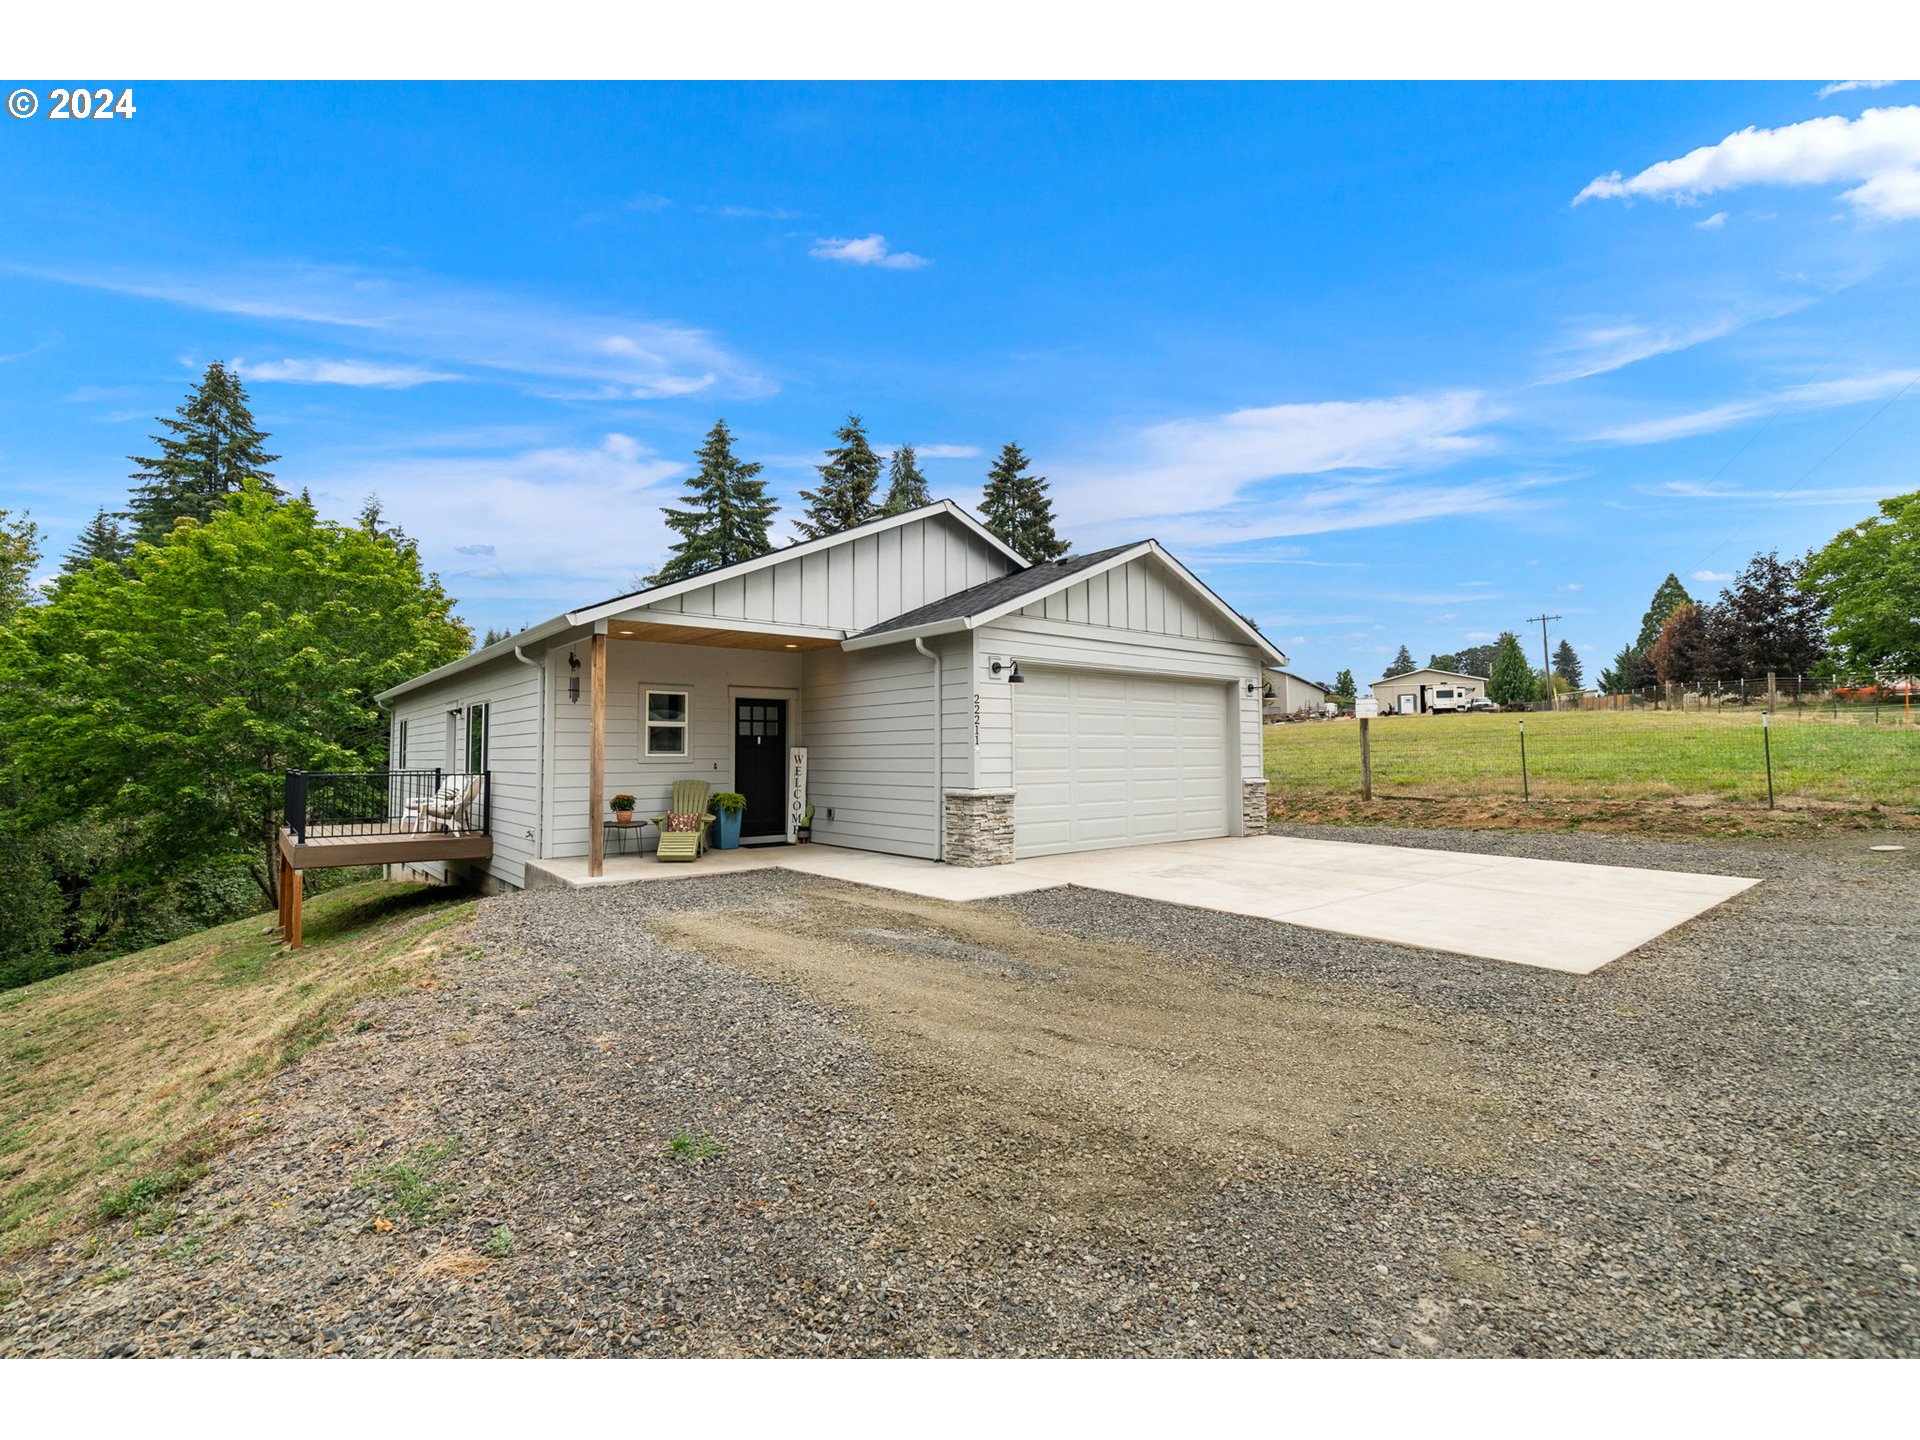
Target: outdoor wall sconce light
573, 677
1251, 686
1012, 667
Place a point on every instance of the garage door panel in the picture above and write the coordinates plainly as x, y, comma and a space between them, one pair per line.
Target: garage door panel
1105, 761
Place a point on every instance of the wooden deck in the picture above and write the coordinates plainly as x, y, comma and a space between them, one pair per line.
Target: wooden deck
329, 847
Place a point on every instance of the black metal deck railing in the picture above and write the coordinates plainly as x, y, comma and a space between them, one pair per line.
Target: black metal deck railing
335, 803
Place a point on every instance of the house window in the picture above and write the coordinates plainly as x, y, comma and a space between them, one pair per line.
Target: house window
666, 722
476, 737
400, 748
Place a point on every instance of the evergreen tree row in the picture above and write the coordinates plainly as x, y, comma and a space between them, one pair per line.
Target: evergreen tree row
726, 513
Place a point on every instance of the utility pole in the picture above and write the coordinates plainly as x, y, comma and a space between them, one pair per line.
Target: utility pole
1546, 661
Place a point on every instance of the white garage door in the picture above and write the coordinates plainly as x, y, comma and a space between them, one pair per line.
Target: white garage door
1100, 760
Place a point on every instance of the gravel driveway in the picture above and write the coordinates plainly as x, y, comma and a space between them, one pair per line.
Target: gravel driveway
1069, 1124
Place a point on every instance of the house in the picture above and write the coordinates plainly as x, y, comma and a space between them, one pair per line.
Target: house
953, 703
1290, 694
1419, 692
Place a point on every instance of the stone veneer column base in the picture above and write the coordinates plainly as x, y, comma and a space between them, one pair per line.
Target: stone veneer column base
1253, 807
979, 826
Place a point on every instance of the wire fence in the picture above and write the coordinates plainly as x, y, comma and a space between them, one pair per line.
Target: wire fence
1736, 755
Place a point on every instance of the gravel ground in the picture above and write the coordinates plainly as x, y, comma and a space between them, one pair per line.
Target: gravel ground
1707, 1147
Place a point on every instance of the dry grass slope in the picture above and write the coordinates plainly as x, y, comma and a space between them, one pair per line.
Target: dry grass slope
120, 1081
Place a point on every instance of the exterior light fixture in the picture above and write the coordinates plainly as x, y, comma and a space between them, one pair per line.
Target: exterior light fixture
1252, 686
573, 677
1012, 667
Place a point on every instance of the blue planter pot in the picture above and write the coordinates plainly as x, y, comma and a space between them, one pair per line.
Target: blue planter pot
726, 830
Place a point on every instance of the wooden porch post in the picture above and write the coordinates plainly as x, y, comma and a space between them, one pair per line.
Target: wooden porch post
286, 891
597, 757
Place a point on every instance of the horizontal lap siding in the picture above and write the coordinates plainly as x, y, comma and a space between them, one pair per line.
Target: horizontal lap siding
870, 744
853, 585
511, 691
706, 672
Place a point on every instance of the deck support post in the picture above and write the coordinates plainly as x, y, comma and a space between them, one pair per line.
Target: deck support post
285, 890
295, 884
597, 757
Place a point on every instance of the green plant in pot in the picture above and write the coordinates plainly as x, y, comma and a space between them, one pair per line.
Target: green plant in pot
728, 807
804, 832
622, 807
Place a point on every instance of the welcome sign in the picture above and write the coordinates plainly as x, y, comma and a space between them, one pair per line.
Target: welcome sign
796, 790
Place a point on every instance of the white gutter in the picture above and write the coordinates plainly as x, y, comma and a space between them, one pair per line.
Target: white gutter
939, 752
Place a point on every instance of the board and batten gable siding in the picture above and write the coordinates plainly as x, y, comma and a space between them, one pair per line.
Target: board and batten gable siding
709, 674
862, 582
1137, 618
511, 691
870, 743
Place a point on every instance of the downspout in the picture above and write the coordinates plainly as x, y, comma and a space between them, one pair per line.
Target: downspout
939, 756
539, 838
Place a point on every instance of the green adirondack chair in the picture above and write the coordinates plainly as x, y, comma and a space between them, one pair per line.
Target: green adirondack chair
689, 798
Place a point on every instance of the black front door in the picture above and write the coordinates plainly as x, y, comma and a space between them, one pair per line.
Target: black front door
760, 765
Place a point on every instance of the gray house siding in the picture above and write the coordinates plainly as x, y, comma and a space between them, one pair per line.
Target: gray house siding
848, 587
435, 739
710, 675
1132, 619
870, 744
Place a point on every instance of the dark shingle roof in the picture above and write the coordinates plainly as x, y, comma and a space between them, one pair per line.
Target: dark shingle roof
992, 594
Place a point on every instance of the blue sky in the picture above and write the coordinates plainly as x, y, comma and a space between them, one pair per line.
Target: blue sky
1384, 363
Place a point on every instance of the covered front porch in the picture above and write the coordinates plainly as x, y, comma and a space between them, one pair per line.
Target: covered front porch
651, 704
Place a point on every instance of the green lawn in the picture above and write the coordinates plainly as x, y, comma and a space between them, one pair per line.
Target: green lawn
1598, 755
118, 1081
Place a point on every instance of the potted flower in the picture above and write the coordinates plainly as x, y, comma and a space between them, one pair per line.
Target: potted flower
728, 807
622, 807
803, 833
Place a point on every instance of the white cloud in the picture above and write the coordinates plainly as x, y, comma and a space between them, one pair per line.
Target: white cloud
1596, 347
1818, 396
340, 372
1841, 87
425, 319
46, 344
1573, 585
1712, 577
869, 250
946, 452
569, 522
1189, 466
1880, 151
1480, 637
1715, 221
1696, 490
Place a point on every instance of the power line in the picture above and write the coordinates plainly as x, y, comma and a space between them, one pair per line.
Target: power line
1546, 665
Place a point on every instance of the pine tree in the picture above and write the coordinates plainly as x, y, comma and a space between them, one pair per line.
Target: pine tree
907, 487
211, 450
844, 497
1343, 686
1566, 664
103, 539
1403, 663
1016, 508
373, 521
1668, 598
1512, 681
727, 512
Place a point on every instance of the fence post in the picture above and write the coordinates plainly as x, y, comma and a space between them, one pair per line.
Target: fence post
1766, 742
1526, 790
1366, 762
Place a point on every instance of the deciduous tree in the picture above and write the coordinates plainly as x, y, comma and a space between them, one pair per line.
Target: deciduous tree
19, 556
1869, 576
1683, 653
1343, 685
171, 695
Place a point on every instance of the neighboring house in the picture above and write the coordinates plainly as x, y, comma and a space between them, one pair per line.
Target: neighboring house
887, 651
1291, 694
1420, 691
